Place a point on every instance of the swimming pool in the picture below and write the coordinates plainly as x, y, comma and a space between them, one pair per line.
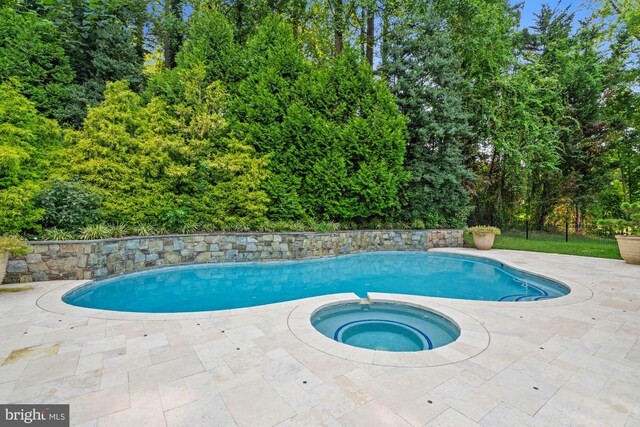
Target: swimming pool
204, 287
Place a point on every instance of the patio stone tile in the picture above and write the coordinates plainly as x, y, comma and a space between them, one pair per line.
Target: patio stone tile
519, 390
589, 380
103, 345
417, 412
313, 417
40, 371
451, 417
125, 361
113, 378
31, 394
285, 370
12, 371
185, 390
298, 396
151, 376
244, 359
573, 405
505, 415
359, 376
337, 402
372, 413
99, 403
142, 344
465, 398
170, 352
5, 390
145, 410
62, 390
256, 403
243, 334
208, 412
210, 353
89, 363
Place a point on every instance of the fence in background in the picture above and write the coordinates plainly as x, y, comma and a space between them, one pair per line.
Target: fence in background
568, 232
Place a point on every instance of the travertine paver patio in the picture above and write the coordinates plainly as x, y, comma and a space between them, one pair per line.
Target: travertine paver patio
569, 361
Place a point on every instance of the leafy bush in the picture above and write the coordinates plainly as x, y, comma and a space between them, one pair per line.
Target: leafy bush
32, 52
119, 230
69, 204
418, 224
143, 229
334, 132
174, 218
95, 231
188, 228
28, 142
14, 245
629, 225
57, 234
146, 156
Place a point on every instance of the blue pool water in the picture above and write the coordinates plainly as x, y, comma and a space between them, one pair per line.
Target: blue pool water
385, 326
204, 287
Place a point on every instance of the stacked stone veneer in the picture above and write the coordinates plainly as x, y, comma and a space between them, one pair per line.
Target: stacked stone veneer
94, 259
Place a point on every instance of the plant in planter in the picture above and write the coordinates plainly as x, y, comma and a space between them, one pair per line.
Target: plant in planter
627, 231
11, 245
483, 236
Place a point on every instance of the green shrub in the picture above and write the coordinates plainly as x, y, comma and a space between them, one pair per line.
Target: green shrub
32, 52
144, 229
57, 234
28, 142
189, 228
418, 224
629, 225
69, 204
327, 227
14, 245
174, 218
95, 231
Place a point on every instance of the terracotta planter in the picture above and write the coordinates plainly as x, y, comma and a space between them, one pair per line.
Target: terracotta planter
484, 243
629, 248
4, 257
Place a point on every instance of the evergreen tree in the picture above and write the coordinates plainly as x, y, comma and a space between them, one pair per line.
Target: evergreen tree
149, 161
113, 57
31, 52
209, 42
28, 142
424, 74
270, 66
334, 133
351, 142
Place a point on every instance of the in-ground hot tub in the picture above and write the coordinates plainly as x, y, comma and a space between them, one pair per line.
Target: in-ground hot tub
385, 326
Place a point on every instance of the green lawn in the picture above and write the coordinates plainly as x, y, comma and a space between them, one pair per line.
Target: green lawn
599, 248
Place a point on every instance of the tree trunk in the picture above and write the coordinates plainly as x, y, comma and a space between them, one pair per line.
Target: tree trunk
172, 36
338, 27
383, 35
370, 35
363, 31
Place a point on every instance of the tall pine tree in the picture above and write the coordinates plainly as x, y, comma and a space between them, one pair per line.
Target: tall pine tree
424, 74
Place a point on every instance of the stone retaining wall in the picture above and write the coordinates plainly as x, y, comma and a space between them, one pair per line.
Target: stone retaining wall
94, 259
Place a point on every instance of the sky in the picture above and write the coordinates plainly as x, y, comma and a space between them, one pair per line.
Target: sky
533, 6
